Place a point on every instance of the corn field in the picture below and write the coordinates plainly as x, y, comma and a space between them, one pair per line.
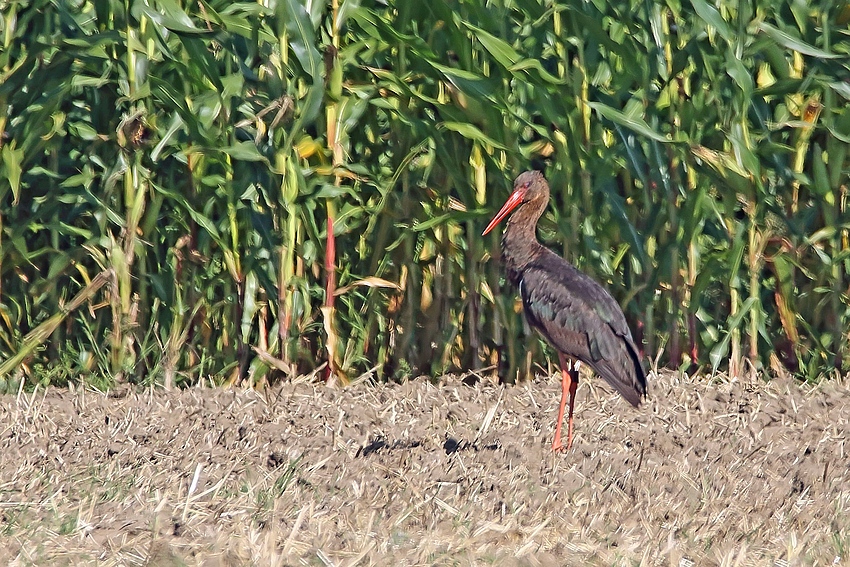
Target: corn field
234, 191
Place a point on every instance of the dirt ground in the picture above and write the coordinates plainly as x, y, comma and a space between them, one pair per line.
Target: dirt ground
707, 472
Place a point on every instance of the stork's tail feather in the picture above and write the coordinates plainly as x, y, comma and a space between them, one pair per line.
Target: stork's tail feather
626, 375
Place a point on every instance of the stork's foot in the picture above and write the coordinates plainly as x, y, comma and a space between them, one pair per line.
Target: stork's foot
559, 447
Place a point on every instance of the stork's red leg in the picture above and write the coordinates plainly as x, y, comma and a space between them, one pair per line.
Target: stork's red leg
565, 386
569, 384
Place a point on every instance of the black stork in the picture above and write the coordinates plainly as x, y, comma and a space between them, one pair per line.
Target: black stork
576, 315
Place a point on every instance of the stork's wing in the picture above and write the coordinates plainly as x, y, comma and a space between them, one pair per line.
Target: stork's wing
580, 319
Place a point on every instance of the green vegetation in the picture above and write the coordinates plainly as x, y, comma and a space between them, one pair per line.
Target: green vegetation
229, 189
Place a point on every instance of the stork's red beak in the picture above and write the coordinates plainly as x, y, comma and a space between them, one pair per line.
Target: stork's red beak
512, 202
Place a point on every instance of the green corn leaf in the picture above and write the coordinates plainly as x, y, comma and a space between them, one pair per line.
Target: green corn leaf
245, 151
169, 15
472, 132
636, 124
721, 350
712, 17
11, 168
302, 40
454, 216
794, 43
501, 51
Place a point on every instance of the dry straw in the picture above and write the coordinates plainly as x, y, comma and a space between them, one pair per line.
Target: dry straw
707, 472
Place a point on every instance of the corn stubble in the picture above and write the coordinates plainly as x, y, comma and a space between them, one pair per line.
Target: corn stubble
723, 472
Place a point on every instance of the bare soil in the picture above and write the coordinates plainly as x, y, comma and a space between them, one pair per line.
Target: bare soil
707, 472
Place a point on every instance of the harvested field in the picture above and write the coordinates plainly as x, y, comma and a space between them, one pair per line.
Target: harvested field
707, 472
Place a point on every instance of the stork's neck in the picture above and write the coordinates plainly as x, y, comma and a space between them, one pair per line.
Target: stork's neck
519, 242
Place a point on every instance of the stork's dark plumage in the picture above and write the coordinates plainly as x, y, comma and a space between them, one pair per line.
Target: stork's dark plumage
574, 313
